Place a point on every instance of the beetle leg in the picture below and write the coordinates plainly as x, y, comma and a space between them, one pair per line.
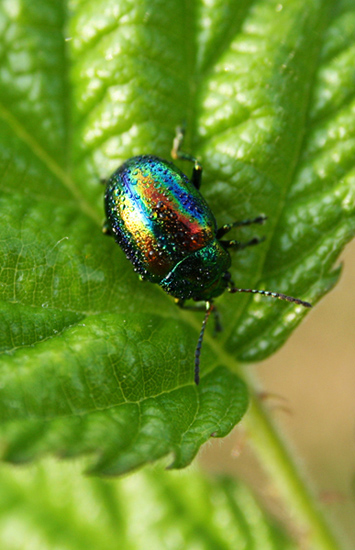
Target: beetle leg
181, 303
196, 175
217, 322
106, 229
228, 226
236, 245
176, 153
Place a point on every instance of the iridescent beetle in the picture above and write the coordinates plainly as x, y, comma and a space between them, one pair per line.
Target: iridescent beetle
167, 230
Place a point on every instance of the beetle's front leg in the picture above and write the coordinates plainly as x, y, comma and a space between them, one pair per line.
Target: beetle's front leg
176, 153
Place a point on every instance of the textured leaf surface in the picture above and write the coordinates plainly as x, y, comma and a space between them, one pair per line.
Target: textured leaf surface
93, 361
50, 506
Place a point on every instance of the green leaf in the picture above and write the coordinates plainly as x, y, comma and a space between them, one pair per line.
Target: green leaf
50, 506
93, 361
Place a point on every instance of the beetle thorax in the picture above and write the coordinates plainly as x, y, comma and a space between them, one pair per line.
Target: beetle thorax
199, 276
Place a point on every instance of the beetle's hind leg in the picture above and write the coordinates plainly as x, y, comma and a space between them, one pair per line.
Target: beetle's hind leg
217, 321
236, 245
229, 226
106, 229
105, 226
176, 153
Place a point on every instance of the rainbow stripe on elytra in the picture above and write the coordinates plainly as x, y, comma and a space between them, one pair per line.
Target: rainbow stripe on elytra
157, 215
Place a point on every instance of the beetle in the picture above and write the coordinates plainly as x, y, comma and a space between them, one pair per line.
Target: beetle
165, 227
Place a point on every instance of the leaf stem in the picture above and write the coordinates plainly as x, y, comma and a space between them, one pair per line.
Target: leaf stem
315, 531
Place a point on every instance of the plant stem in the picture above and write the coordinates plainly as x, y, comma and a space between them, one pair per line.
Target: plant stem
315, 532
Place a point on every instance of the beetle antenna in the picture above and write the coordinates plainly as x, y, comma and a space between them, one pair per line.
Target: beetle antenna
209, 309
272, 294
